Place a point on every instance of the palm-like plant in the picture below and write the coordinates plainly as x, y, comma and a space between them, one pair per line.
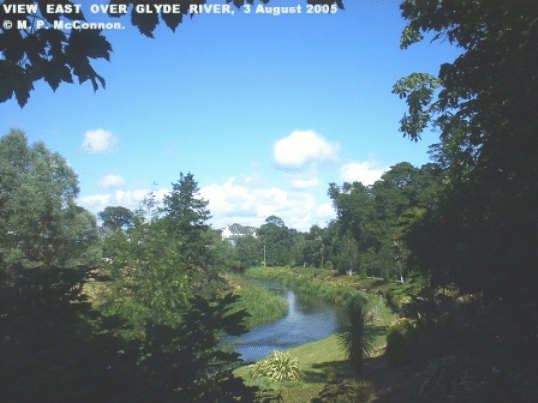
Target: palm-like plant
357, 336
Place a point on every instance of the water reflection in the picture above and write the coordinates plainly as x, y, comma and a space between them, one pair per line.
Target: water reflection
309, 319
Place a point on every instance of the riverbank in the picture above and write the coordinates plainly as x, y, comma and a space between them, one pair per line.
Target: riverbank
331, 287
320, 362
273, 306
325, 361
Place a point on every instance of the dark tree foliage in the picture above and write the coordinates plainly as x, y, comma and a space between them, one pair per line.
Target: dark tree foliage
185, 217
115, 217
277, 240
39, 221
482, 234
51, 354
249, 251
48, 352
30, 54
372, 219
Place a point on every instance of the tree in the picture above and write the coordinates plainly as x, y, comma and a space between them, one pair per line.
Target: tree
479, 236
116, 217
30, 54
148, 209
248, 251
223, 252
484, 111
184, 210
277, 241
56, 348
186, 215
39, 221
373, 216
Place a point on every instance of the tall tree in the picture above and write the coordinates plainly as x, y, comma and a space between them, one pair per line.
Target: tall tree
116, 217
39, 220
277, 241
482, 232
249, 251
186, 215
374, 217
184, 209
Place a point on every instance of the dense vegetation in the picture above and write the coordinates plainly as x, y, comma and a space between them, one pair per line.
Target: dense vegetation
134, 316
135, 310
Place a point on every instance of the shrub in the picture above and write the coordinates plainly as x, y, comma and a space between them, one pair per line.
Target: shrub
398, 351
331, 374
346, 391
462, 378
279, 366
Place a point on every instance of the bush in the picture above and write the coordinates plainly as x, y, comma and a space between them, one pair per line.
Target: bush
346, 391
398, 351
279, 366
462, 378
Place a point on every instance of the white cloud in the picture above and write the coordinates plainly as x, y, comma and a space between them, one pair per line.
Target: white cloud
94, 203
100, 141
364, 172
130, 199
304, 183
111, 181
245, 201
302, 147
326, 210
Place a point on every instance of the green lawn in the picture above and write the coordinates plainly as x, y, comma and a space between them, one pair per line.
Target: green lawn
324, 360
319, 361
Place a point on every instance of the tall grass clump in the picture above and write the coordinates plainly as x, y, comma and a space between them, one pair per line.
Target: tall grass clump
262, 306
398, 352
357, 336
279, 366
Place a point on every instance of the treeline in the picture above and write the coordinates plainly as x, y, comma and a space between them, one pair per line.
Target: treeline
365, 239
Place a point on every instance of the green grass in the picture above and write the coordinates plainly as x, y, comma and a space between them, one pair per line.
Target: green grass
325, 360
273, 306
317, 361
320, 362
330, 286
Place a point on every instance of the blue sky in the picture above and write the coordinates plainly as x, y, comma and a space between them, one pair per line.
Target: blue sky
264, 110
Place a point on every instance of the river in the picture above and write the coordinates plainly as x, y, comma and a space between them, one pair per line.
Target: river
309, 319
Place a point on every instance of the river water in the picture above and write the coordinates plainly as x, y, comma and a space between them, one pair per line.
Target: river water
309, 319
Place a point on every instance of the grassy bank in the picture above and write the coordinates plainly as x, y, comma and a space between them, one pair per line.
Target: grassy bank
328, 285
262, 305
325, 360
320, 362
